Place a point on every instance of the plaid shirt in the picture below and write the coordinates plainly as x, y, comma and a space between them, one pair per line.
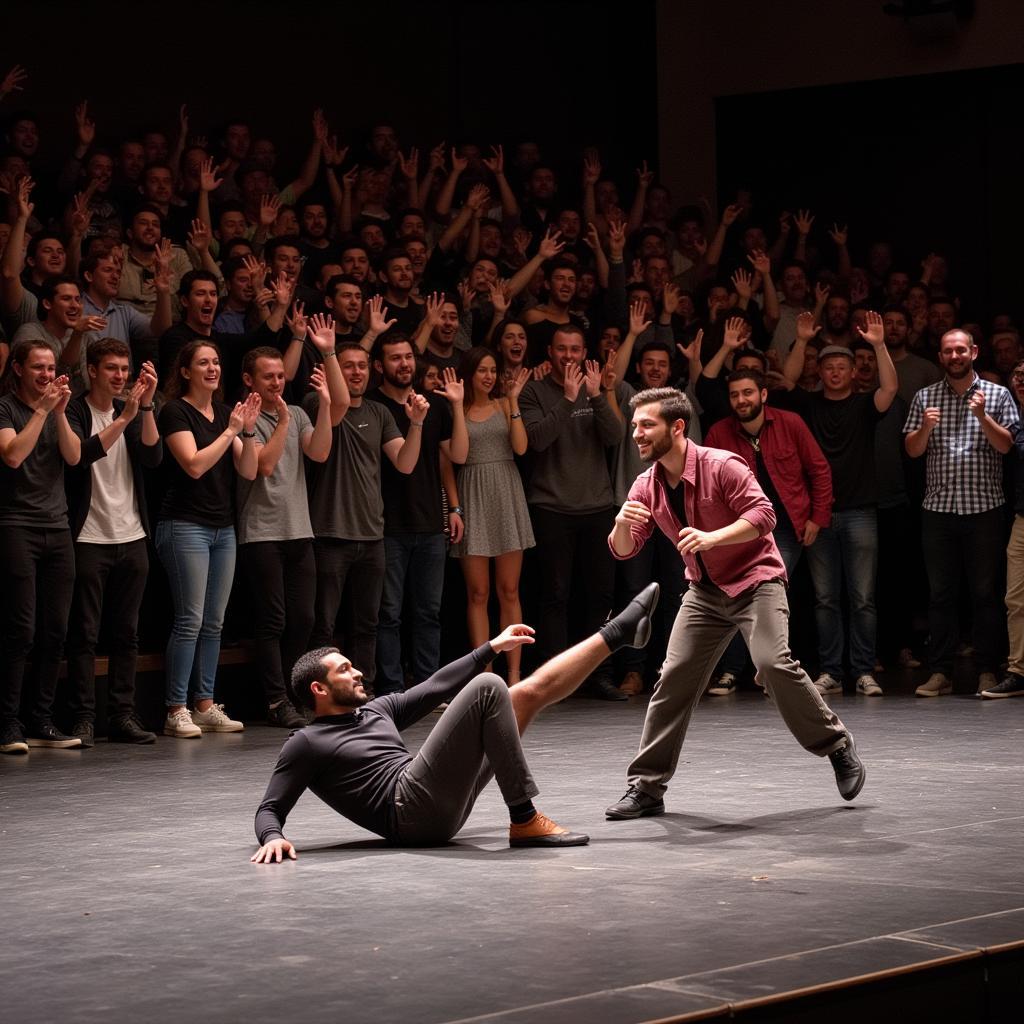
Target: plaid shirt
964, 471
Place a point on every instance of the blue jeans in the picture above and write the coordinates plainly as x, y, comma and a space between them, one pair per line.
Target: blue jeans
848, 550
416, 560
735, 658
200, 565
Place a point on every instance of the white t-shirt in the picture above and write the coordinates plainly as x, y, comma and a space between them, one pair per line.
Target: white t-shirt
113, 510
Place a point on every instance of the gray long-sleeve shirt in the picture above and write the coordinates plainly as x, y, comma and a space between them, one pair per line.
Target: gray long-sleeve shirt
570, 442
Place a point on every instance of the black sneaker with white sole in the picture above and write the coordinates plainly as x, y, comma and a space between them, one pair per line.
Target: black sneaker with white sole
1011, 686
46, 734
12, 739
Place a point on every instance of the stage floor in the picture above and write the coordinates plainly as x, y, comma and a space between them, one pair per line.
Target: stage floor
126, 891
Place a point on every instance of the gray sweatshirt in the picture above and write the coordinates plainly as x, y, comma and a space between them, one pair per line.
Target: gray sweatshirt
570, 442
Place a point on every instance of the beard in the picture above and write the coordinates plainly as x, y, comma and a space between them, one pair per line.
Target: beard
751, 414
961, 372
658, 448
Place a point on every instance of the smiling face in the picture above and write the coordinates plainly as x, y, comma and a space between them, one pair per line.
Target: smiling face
267, 380
355, 368
48, 257
203, 372
398, 275
513, 345
65, 308
346, 304
565, 350
485, 376
653, 436
655, 367
397, 364
105, 279
747, 399
200, 305
107, 379
957, 353
444, 333
36, 373
562, 285
144, 233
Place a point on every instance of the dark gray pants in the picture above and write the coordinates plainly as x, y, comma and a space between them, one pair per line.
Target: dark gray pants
475, 739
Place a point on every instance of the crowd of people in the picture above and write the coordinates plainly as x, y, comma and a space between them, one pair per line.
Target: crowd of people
333, 385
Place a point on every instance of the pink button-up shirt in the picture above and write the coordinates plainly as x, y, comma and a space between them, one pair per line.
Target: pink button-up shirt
720, 489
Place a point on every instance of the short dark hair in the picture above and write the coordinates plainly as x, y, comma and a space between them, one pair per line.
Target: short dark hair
655, 346
754, 375
556, 263
760, 356
190, 277
282, 242
101, 347
48, 289
674, 405
569, 329
899, 309
391, 255
392, 337
149, 208
336, 280
260, 352
227, 249
37, 240
309, 669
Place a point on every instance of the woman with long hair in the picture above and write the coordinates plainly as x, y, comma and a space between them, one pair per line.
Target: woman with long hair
509, 347
209, 443
497, 521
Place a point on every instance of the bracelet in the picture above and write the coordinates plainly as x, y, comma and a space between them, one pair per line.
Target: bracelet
297, 340
607, 389
457, 509
516, 416
331, 353
411, 424
147, 408
248, 434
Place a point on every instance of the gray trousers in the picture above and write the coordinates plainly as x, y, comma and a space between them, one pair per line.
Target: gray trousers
475, 739
706, 622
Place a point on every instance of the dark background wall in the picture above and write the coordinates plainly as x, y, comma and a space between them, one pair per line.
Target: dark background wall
561, 72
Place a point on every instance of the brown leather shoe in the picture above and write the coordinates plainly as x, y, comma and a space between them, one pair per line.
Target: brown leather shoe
542, 831
632, 684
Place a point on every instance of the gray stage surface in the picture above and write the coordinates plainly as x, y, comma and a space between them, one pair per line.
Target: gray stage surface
127, 894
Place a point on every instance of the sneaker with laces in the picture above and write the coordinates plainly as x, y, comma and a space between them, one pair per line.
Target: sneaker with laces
284, 716
635, 804
723, 685
542, 831
179, 723
1011, 686
868, 686
849, 769
213, 719
46, 734
84, 731
128, 729
12, 740
936, 685
826, 683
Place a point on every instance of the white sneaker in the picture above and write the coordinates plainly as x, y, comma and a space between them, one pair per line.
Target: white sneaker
868, 686
827, 684
936, 686
213, 719
179, 723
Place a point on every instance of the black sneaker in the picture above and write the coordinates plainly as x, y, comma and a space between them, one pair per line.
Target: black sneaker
11, 739
84, 731
1011, 686
128, 729
48, 735
284, 716
635, 804
849, 769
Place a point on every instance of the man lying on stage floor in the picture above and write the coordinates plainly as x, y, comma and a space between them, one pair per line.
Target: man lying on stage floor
353, 758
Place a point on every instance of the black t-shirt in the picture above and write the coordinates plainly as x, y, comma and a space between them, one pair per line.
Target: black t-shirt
32, 494
845, 430
443, 362
412, 501
408, 317
208, 501
768, 486
677, 499
540, 335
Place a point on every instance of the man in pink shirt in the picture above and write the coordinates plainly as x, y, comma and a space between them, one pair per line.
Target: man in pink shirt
709, 503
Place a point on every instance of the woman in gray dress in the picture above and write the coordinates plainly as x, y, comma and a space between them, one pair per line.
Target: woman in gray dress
496, 518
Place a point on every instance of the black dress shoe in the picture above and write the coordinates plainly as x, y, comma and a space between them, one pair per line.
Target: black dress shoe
129, 730
635, 804
604, 689
849, 769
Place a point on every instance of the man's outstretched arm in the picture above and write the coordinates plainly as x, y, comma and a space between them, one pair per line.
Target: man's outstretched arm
292, 774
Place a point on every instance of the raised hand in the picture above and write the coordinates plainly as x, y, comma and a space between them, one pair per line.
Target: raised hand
592, 378
283, 290
785, 222
416, 407
257, 269
516, 382
742, 283
806, 329
737, 330
644, 176
839, 235
638, 271
761, 262
804, 220
13, 81
637, 323
541, 370
350, 178
183, 121
451, 386
499, 297
466, 293
591, 167
24, 190
730, 213
477, 199
608, 375
85, 126
334, 155
378, 315
132, 400
320, 127
496, 162
875, 334
317, 383
858, 288
521, 239
550, 246
572, 382
459, 163
208, 180
80, 216
433, 306
409, 166
250, 411
821, 293
147, 375
592, 238
693, 349
320, 329
199, 236
616, 238
162, 266
671, 296
270, 206
298, 322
